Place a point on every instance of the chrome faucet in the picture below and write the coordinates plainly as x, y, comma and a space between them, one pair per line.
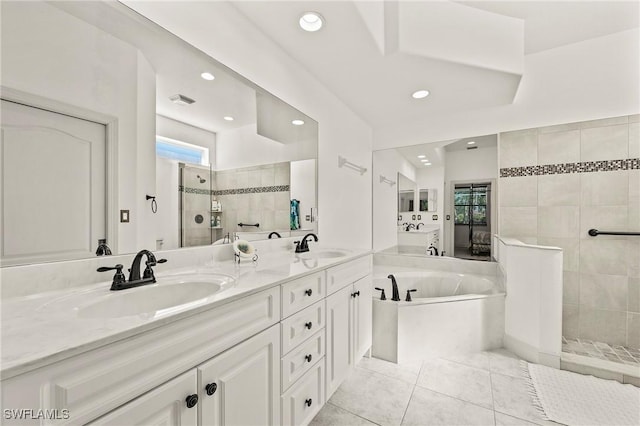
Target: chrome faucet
394, 285
302, 246
120, 283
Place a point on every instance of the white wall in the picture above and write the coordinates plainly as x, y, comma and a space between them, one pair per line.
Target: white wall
592, 79
387, 163
219, 30
73, 62
244, 147
167, 223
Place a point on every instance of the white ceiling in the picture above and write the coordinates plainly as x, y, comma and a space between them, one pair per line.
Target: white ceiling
373, 55
435, 151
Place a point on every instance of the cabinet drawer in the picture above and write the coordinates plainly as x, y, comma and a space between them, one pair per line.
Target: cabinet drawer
301, 359
301, 326
304, 399
342, 275
300, 293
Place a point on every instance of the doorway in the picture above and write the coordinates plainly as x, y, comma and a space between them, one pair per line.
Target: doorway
472, 213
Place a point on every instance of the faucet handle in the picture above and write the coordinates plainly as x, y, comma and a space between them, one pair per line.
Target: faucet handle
118, 277
408, 298
382, 296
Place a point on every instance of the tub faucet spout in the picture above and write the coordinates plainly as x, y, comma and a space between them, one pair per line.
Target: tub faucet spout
394, 286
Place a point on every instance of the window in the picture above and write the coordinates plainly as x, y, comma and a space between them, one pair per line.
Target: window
181, 151
470, 205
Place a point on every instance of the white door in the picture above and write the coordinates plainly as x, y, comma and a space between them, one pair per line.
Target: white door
164, 406
338, 338
241, 387
362, 317
53, 180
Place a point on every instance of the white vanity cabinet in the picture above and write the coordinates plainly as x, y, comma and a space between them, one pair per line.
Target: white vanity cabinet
349, 319
303, 348
165, 405
241, 386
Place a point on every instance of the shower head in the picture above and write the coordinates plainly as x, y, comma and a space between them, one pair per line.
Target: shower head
201, 179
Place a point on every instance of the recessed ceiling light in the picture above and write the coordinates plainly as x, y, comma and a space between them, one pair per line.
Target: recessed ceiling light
297, 122
427, 164
311, 21
228, 118
181, 99
471, 143
420, 94
207, 76
421, 156
424, 160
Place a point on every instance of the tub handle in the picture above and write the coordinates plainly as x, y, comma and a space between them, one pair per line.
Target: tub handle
408, 299
382, 296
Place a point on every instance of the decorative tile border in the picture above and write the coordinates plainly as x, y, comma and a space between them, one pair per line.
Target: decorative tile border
581, 167
253, 190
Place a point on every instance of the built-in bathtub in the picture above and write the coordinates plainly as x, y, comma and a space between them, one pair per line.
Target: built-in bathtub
450, 313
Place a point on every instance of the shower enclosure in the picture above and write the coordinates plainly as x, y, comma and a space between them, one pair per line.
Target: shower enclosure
197, 222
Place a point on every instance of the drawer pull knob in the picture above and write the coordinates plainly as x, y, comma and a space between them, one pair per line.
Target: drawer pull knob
211, 388
308, 402
192, 400
308, 325
308, 292
308, 357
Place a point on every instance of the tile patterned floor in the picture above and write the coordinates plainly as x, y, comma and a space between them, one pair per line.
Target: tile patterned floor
601, 350
485, 388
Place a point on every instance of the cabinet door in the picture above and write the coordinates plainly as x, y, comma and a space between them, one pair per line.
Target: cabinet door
165, 405
242, 385
339, 357
362, 317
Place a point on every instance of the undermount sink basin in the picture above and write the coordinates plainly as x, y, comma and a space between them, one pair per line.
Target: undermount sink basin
168, 295
322, 254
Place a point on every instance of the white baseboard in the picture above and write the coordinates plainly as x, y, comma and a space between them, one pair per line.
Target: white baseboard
530, 353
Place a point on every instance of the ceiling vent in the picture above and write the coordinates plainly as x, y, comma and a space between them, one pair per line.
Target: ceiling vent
181, 99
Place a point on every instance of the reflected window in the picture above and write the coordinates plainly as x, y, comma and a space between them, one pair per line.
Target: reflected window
181, 151
470, 205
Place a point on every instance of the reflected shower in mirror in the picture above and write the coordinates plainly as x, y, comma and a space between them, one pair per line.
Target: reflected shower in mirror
445, 201
168, 113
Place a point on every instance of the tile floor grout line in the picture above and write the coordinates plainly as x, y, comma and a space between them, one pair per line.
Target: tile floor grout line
493, 401
455, 397
350, 412
408, 403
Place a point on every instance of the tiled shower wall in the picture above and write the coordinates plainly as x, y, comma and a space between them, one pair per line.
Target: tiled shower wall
558, 182
258, 194
195, 203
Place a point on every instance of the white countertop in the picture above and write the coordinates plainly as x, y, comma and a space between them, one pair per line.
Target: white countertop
44, 328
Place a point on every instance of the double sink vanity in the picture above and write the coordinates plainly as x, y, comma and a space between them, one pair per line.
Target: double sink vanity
220, 342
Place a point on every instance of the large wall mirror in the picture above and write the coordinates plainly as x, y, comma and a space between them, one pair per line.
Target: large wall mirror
102, 107
445, 198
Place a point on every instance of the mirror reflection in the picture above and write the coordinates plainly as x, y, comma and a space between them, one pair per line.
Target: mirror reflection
445, 198
149, 115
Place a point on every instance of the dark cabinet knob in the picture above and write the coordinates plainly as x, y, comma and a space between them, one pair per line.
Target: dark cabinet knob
355, 294
308, 357
308, 402
308, 292
192, 400
308, 325
211, 388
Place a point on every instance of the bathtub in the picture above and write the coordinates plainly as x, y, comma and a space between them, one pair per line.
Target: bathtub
449, 314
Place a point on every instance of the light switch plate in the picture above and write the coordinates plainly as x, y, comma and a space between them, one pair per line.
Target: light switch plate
124, 216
